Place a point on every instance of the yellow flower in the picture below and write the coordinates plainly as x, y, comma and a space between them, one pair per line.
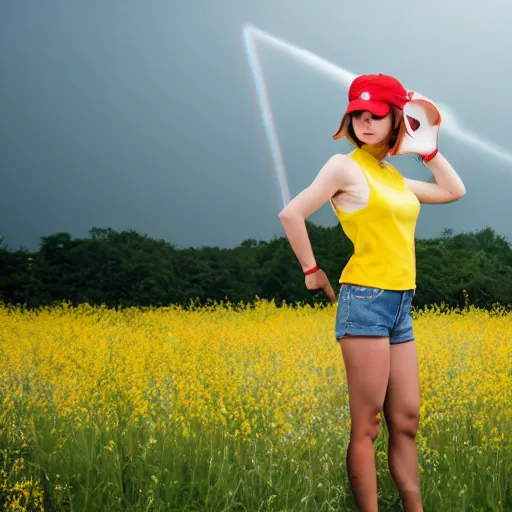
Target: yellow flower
246, 376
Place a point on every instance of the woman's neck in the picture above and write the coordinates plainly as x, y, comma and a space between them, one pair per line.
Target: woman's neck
379, 151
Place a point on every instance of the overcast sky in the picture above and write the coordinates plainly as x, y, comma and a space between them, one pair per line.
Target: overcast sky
143, 115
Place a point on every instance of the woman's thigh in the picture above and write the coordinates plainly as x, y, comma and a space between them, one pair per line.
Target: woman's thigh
367, 361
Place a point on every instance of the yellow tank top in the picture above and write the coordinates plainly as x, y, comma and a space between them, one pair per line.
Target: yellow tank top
383, 232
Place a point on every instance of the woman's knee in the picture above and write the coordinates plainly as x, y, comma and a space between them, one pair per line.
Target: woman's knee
405, 422
365, 426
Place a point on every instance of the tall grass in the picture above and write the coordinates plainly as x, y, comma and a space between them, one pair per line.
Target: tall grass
235, 408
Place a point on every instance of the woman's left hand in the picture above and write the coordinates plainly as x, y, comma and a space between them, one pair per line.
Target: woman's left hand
318, 280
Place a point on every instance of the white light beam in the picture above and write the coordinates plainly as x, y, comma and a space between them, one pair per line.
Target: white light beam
340, 75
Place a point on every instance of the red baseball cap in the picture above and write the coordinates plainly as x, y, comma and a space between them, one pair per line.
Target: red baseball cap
374, 93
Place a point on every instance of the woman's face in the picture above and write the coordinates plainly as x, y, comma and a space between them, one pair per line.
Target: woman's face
369, 128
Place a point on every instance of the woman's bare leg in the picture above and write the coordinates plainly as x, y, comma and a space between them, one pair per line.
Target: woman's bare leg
367, 361
401, 412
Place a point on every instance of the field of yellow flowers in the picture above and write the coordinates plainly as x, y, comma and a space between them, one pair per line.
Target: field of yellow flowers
235, 408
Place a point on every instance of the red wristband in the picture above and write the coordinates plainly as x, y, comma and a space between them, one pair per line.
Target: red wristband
311, 270
427, 158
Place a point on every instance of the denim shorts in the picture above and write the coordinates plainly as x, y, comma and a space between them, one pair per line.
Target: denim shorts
366, 311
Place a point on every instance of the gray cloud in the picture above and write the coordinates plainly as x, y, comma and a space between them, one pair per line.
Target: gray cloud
144, 116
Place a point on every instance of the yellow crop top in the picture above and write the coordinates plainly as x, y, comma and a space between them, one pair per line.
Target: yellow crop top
383, 232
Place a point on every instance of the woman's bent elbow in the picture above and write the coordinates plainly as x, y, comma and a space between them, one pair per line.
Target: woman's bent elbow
286, 213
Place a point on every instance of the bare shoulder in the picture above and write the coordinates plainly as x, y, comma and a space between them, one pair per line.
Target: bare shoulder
333, 177
340, 168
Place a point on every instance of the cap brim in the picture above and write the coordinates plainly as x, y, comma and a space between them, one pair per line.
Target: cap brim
379, 108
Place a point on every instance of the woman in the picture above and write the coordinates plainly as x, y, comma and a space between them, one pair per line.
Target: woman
377, 208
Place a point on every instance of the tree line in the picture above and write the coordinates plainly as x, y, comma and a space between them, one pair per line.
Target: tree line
126, 268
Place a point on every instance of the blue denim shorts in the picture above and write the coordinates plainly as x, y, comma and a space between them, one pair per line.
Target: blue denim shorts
366, 311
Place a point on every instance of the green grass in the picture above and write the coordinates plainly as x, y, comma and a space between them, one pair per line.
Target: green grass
142, 468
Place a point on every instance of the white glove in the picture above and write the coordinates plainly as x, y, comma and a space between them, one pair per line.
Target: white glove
419, 128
